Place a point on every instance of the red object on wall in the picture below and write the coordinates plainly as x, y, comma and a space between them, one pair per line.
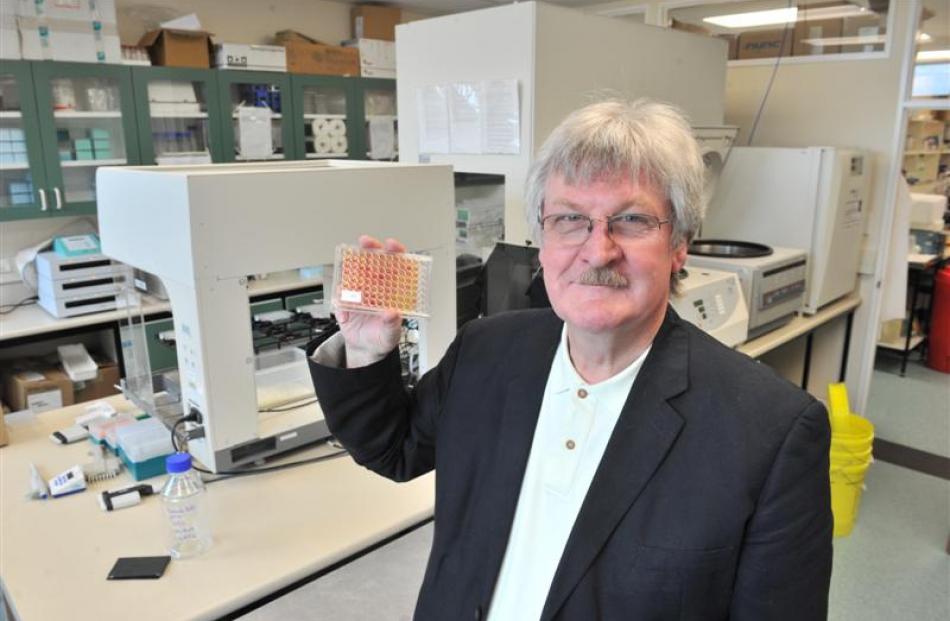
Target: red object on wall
938, 356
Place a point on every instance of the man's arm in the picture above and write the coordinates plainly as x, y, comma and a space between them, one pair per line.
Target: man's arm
386, 428
785, 564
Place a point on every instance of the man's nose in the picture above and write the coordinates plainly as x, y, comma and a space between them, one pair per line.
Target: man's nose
600, 247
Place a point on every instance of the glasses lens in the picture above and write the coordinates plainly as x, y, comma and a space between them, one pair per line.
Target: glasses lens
634, 225
567, 228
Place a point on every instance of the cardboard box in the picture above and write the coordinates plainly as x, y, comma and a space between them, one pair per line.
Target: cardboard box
865, 26
178, 48
250, 57
815, 29
375, 22
687, 27
733, 41
39, 389
309, 56
377, 57
101, 387
765, 43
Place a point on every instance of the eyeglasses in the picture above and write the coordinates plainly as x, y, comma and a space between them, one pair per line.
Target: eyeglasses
573, 229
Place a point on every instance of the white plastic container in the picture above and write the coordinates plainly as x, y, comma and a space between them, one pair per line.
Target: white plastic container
183, 497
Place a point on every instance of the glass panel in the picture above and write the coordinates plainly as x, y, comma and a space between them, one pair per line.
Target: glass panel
324, 115
179, 122
16, 182
382, 126
772, 28
88, 119
261, 104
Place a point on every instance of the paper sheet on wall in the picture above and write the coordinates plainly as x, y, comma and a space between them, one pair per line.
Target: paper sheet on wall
502, 128
255, 139
433, 110
466, 110
382, 139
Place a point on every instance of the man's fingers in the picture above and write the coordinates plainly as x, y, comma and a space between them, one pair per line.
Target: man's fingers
394, 245
367, 241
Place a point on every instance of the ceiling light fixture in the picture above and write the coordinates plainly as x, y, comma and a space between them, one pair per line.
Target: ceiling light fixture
785, 16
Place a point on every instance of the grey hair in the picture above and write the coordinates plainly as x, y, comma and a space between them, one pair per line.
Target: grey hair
625, 138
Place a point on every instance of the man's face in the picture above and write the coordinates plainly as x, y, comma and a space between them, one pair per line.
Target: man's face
636, 270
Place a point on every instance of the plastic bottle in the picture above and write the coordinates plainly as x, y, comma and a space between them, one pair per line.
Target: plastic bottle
183, 497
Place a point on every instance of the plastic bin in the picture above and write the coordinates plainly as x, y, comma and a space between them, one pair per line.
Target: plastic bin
143, 446
282, 378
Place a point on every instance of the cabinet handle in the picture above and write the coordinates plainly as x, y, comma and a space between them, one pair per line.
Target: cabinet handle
43, 205
59, 198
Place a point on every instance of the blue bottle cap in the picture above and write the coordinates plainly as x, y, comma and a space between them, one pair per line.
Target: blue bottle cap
178, 463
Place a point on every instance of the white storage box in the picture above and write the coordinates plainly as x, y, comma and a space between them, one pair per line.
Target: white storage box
377, 57
252, 57
282, 378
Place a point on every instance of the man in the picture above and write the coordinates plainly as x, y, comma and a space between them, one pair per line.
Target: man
606, 460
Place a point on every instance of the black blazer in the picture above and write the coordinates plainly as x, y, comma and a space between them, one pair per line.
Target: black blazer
711, 500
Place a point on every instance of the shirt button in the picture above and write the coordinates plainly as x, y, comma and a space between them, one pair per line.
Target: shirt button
570, 445
581, 393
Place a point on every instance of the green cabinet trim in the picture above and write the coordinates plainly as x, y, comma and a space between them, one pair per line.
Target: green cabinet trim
141, 76
44, 72
20, 70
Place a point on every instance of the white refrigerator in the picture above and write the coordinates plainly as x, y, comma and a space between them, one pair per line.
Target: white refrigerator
813, 198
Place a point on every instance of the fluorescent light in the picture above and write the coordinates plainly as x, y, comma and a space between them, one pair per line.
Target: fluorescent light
933, 55
856, 40
755, 18
784, 16
923, 37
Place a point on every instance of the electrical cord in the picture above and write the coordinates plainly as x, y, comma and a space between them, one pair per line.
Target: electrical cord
12, 307
768, 88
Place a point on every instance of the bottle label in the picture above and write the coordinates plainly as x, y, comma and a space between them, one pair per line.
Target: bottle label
183, 519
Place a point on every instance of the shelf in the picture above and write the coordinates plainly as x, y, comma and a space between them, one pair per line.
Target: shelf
273, 116
11, 114
276, 156
84, 163
314, 156
928, 152
898, 344
15, 166
77, 114
324, 116
186, 115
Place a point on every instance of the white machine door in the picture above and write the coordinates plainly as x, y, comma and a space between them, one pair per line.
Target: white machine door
839, 224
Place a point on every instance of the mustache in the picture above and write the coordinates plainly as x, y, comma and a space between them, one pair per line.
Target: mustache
603, 277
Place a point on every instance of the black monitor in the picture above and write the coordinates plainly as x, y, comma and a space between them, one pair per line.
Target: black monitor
511, 280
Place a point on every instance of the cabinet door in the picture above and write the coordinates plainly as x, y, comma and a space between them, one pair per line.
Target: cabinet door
323, 122
378, 134
178, 114
247, 138
87, 120
22, 175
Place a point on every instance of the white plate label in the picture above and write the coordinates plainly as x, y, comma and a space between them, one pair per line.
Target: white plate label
347, 295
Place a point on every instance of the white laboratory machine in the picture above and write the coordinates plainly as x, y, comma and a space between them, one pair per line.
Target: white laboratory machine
773, 279
71, 286
487, 108
814, 198
203, 229
713, 301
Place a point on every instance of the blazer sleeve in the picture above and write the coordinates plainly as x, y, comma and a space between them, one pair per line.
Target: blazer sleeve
785, 562
385, 428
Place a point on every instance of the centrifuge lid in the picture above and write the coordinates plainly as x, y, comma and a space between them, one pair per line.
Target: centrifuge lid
728, 248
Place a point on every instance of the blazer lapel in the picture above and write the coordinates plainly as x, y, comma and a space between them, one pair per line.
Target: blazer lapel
647, 428
498, 498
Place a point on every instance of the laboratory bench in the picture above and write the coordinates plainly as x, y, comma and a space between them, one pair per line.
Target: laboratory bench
272, 531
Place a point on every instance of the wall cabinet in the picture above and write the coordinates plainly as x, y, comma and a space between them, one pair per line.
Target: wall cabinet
60, 121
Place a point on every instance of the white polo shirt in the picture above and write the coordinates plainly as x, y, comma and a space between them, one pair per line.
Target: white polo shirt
574, 425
